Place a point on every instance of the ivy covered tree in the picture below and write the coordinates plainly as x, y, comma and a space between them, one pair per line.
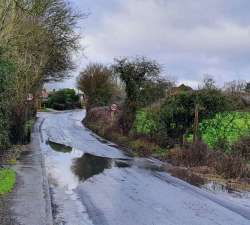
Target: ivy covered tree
6, 71
142, 85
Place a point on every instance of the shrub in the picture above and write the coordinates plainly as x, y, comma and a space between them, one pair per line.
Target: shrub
225, 129
178, 111
96, 82
6, 73
63, 99
242, 148
198, 154
146, 122
190, 154
163, 140
230, 166
176, 115
143, 147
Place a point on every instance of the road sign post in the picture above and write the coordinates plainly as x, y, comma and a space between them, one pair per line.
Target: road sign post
113, 109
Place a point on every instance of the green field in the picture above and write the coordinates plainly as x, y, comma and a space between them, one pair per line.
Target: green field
7, 180
225, 127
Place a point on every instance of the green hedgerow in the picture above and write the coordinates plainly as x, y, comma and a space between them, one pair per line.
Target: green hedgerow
146, 122
225, 129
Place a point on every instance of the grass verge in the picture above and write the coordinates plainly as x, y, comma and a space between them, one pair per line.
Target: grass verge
7, 180
44, 110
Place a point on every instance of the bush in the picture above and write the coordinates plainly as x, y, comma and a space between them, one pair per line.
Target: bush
4, 133
146, 122
225, 129
63, 99
96, 82
6, 73
178, 111
242, 148
163, 140
190, 155
230, 166
144, 147
198, 154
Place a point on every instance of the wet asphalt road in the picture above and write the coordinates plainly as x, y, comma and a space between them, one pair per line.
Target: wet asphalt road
93, 182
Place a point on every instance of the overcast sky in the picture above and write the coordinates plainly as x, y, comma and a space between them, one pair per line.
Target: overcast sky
188, 38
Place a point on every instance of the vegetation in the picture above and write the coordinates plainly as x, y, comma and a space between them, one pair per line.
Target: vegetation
7, 70
143, 86
146, 122
158, 119
7, 180
225, 129
175, 116
96, 82
36, 39
63, 99
247, 88
241, 148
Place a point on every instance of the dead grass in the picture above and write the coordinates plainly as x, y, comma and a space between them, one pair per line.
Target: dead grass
198, 155
190, 155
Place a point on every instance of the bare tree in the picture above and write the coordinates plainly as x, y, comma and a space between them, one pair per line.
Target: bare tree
235, 87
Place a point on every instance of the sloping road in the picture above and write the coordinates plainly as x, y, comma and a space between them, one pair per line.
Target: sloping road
93, 182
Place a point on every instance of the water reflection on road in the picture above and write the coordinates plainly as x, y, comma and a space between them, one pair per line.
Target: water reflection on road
86, 165
89, 165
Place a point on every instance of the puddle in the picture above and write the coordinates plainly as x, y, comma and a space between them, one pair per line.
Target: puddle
83, 166
90, 165
59, 147
216, 187
198, 181
224, 189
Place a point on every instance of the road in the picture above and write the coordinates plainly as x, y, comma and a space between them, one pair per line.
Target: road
93, 182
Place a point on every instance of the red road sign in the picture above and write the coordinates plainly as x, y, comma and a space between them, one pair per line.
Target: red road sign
114, 107
30, 97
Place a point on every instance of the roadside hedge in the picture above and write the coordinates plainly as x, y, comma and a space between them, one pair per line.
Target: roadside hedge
63, 99
225, 129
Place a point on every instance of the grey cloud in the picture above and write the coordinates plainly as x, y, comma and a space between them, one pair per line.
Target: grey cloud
190, 38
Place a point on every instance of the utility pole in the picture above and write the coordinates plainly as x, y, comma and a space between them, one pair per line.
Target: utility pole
196, 123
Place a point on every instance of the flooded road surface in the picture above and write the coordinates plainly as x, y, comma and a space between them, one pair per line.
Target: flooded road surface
93, 182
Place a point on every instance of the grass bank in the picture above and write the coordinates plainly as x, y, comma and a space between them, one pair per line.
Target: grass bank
7, 180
